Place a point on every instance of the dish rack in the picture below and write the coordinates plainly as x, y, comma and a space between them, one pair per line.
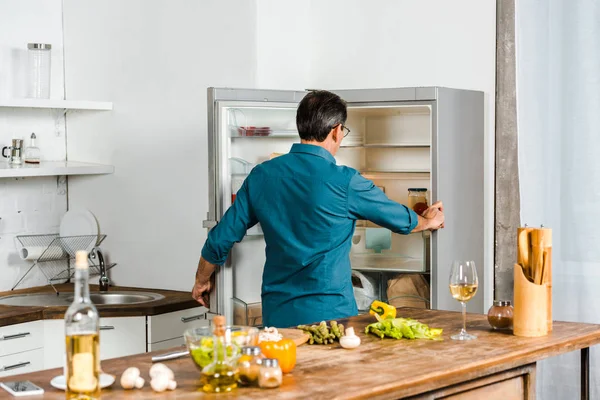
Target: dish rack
53, 248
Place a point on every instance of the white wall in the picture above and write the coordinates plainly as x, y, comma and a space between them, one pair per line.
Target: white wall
30, 205
349, 44
154, 60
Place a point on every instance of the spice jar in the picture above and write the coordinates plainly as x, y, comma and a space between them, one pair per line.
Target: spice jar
249, 365
417, 200
270, 375
500, 315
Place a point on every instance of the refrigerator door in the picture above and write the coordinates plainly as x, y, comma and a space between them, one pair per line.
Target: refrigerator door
245, 127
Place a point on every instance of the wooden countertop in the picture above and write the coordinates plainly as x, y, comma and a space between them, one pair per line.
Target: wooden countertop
173, 301
378, 369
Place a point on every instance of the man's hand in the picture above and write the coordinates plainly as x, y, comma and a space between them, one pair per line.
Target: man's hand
435, 216
204, 285
432, 219
201, 293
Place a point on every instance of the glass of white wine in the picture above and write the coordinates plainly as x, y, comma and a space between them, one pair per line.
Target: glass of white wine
463, 286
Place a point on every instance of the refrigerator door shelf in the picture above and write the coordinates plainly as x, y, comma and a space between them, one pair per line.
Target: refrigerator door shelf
387, 262
247, 314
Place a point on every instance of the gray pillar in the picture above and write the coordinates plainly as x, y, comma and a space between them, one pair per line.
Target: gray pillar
507, 208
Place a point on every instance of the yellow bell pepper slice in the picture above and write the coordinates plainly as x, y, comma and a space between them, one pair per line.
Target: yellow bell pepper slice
382, 309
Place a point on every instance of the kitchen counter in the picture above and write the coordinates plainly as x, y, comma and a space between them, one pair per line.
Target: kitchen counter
495, 366
173, 301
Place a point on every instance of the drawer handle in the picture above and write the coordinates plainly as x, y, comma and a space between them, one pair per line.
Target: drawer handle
192, 318
15, 336
15, 366
107, 328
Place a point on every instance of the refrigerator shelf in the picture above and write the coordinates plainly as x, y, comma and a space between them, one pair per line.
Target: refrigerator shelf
385, 146
262, 133
398, 171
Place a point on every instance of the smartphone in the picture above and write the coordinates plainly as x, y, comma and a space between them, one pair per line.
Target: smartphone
21, 388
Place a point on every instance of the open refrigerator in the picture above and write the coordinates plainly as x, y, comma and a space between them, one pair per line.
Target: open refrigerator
402, 138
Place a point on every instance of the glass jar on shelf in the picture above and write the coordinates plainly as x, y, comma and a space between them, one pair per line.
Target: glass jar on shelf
39, 55
417, 200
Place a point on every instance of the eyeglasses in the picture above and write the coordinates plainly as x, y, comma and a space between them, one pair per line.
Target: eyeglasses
344, 129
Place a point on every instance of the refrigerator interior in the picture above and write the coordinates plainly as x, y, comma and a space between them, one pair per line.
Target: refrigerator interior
390, 145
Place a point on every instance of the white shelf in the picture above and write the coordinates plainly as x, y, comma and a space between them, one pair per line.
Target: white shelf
53, 168
384, 146
57, 104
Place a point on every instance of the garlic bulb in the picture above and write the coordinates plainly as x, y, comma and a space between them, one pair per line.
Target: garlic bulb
350, 340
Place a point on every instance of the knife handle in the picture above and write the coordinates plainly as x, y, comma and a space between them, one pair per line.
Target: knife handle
169, 356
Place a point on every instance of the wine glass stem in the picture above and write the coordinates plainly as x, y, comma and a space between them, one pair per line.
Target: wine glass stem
464, 315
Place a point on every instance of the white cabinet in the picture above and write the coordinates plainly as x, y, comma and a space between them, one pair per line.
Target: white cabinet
21, 348
122, 336
119, 337
166, 330
22, 363
21, 337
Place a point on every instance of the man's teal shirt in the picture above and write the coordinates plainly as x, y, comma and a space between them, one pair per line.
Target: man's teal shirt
307, 207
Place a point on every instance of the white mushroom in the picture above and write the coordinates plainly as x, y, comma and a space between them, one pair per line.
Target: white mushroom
131, 378
162, 378
160, 383
161, 369
350, 340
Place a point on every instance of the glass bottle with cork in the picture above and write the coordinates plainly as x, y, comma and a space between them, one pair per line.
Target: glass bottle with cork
221, 375
82, 369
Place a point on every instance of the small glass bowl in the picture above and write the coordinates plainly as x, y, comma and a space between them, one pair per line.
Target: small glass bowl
199, 342
500, 315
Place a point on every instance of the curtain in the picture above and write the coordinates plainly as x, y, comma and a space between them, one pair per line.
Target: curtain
558, 108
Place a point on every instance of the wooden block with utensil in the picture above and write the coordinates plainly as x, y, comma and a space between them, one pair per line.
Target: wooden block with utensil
533, 282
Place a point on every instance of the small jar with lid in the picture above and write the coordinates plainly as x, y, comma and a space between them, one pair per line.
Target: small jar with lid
500, 315
270, 376
249, 366
417, 200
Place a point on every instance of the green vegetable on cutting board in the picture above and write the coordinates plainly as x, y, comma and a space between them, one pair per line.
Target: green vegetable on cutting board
399, 328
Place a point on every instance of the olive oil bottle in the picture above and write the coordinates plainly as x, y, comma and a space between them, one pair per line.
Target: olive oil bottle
82, 369
220, 375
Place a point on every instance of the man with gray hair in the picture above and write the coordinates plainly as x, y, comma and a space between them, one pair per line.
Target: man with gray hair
307, 207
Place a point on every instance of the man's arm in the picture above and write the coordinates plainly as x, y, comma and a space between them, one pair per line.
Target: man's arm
367, 201
230, 230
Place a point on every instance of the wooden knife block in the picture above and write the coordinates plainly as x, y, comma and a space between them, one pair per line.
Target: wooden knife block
530, 316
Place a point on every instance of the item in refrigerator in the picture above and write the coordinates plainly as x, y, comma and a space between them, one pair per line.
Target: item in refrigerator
254, 130
417, 200
378, 239
408, 290
364, 290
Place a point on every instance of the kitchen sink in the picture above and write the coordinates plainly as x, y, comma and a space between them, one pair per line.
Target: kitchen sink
65, 299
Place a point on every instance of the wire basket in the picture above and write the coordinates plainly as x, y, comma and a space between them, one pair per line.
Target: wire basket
47, 250
53, 247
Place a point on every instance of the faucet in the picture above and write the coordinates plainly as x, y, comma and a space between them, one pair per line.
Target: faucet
96, 253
